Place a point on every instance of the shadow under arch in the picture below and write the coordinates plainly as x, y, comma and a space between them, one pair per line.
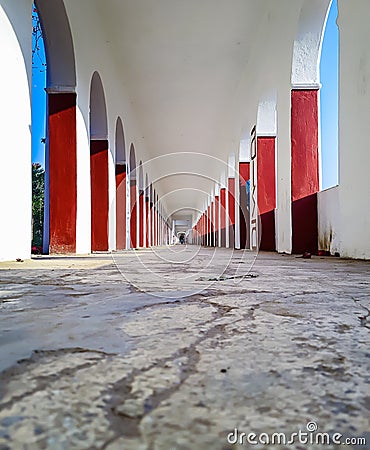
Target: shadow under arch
61, 144
305, 80
98, 165
120, 151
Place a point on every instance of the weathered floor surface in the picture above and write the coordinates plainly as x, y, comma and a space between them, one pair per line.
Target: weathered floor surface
175, 349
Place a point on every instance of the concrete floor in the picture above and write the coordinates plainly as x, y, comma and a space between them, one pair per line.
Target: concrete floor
175, 348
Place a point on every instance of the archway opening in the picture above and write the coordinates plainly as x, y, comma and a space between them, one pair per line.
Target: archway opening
61, 139
133, 198
38, 132
329, 94
98, 165
120, 186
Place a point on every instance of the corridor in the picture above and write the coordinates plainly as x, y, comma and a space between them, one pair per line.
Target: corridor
183, 348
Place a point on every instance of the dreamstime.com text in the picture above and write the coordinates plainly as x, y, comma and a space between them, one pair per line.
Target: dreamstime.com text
309, 436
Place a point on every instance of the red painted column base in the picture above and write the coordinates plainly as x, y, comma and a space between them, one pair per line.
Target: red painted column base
120, 206
266, 190
99, 194
133, 217
305, 170
62, 172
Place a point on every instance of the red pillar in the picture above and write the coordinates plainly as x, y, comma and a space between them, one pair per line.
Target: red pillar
212, 229
208, 225
223, 216
154, 225
120, 206
99, 194
151, 224
141, 219
244, 177
217, 225
305, 170
62, 172
204, 228
266, 190
133, 215
147, 206
231, 218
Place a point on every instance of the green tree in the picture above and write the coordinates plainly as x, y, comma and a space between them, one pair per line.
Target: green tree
38, 190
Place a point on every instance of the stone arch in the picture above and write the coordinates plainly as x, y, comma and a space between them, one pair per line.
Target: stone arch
120, 158
98, 165
98, 109
307, 43
120, 148
132, 162
59, 48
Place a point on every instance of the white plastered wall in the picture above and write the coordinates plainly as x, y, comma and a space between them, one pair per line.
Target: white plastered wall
15, 129
354, 122
329, 225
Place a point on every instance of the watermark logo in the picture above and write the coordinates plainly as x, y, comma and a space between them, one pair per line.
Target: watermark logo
309, 436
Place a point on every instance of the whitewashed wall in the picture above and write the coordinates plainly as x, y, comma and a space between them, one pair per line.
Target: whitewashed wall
329, 220
354, 125
15, 130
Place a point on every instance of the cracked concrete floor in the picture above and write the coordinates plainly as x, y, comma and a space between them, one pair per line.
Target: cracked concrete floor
175, 348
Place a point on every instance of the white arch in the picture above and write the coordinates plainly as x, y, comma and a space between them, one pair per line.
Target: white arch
120, 143
307, 44
98, 109
61, 73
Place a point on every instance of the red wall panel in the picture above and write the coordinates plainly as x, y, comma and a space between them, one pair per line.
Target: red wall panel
133, 212
62, 172
244, 172
120, 206
304, 126
266, 189
141, 220
99, 194
305, 170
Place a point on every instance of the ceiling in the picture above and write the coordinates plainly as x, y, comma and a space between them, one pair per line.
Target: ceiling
182, 62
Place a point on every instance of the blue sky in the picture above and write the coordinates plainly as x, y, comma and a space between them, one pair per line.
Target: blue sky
329, 100
329, 103
38, 103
